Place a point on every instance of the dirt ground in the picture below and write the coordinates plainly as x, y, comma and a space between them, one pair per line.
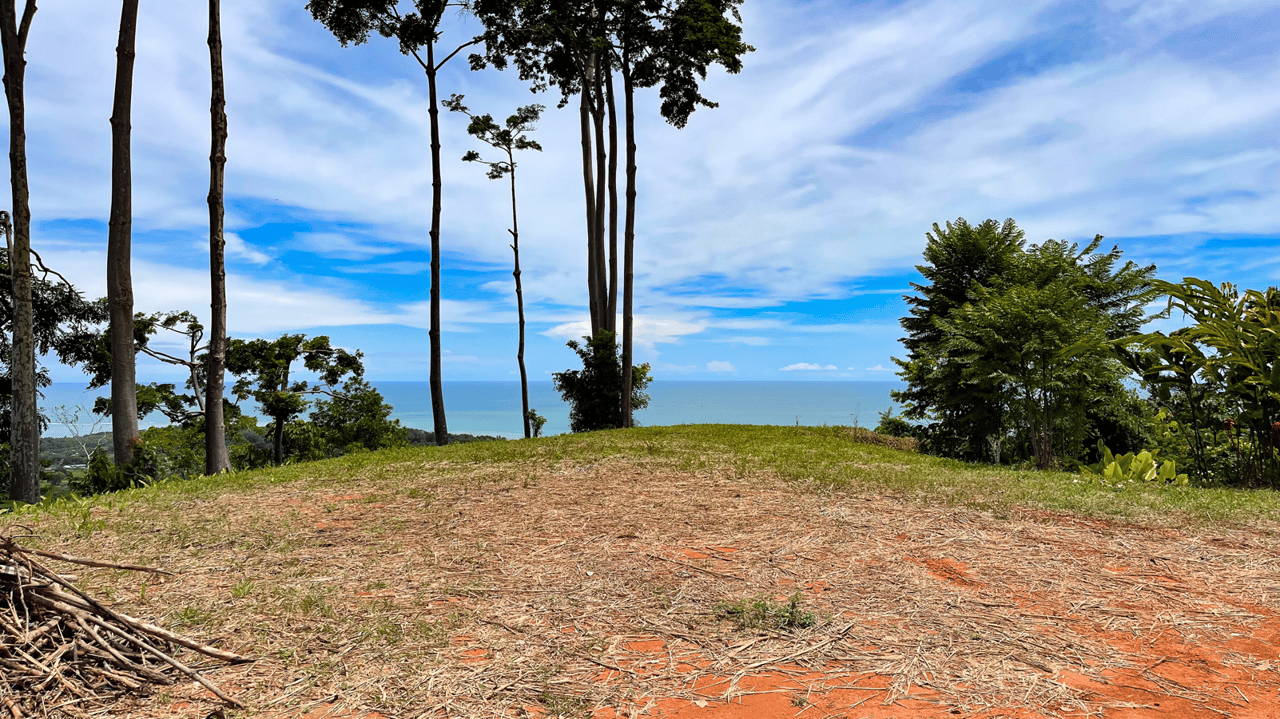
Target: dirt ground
592, 591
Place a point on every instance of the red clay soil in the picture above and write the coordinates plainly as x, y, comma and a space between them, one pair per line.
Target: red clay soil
594, 592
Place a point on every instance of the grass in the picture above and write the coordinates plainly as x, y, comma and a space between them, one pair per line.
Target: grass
811, 459
763, 612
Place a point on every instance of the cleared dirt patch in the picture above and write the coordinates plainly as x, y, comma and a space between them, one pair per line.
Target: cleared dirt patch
591, 591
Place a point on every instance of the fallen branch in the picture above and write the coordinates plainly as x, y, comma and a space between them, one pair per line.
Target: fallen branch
60, 644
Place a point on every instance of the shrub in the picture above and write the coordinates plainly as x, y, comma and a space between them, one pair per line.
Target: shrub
104, 475
594, 393
1140, 467
763, 613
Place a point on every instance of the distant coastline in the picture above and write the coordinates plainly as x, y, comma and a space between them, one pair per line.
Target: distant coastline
493, 406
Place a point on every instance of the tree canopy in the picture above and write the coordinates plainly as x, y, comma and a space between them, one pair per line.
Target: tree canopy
1009, 345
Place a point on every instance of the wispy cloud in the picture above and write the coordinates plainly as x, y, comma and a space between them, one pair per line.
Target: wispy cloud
721, 367
807, 367
238, 248
386, 268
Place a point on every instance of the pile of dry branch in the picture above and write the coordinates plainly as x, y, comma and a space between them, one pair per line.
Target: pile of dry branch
61, 649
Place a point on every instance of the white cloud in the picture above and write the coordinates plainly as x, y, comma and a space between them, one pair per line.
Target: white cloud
387, 268
720, 366
748, 341
878, 368
649, 330
807, 367
237, 247
340, 246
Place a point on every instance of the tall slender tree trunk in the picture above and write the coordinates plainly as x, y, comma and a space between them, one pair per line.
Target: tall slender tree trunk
216, 458
628, 241
515, 249
437, 386
613, 204
124, 400
602, 171
24, 441
588, 186
277, 438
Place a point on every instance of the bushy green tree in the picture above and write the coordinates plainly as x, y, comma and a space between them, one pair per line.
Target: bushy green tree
1009, 345
263, 369
594, 393
356, 419
958, 259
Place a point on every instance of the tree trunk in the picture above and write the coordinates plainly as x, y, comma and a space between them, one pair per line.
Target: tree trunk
124, 399
612, 312
515, 249
24, 441
588, 186
277, 437
437, 387
277, 443
602, 170
628, 242
216, 459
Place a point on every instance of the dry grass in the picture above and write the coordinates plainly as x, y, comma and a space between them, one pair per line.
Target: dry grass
574, 583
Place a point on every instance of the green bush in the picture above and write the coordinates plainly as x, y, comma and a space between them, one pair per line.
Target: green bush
103, 475
594, 393
892, 426
1130, 467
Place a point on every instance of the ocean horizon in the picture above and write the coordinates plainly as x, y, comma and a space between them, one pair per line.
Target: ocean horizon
493, 408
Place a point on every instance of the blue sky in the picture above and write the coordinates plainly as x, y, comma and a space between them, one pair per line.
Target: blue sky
775, 234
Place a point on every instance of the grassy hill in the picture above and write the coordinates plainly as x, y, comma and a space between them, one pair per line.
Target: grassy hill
501, 575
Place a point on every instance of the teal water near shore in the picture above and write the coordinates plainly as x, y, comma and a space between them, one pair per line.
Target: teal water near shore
493, 408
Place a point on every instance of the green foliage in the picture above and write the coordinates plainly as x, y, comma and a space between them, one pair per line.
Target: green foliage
892, 426
1130, 467
536, 422
1009, 346
104, 475
666, 44
594, 393
183, 408
509, 139
426, 438
65, 324
263, 371
764, 613
356, 419
1219, 379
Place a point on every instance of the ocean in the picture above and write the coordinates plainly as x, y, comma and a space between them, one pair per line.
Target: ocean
493, 408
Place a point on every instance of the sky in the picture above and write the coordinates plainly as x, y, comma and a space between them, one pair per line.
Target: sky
776, 233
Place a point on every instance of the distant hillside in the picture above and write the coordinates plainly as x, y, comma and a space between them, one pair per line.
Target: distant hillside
71, 451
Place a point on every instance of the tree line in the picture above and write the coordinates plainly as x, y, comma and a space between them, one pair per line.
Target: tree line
1036, 354
578, 47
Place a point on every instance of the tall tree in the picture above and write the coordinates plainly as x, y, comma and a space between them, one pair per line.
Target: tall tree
572, 44
958, 259
507, 139
64, 325
24, 483
124, 401
351, 21
671, 43
612, 311
216, 457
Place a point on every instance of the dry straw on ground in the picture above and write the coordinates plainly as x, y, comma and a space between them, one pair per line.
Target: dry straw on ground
432, 590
